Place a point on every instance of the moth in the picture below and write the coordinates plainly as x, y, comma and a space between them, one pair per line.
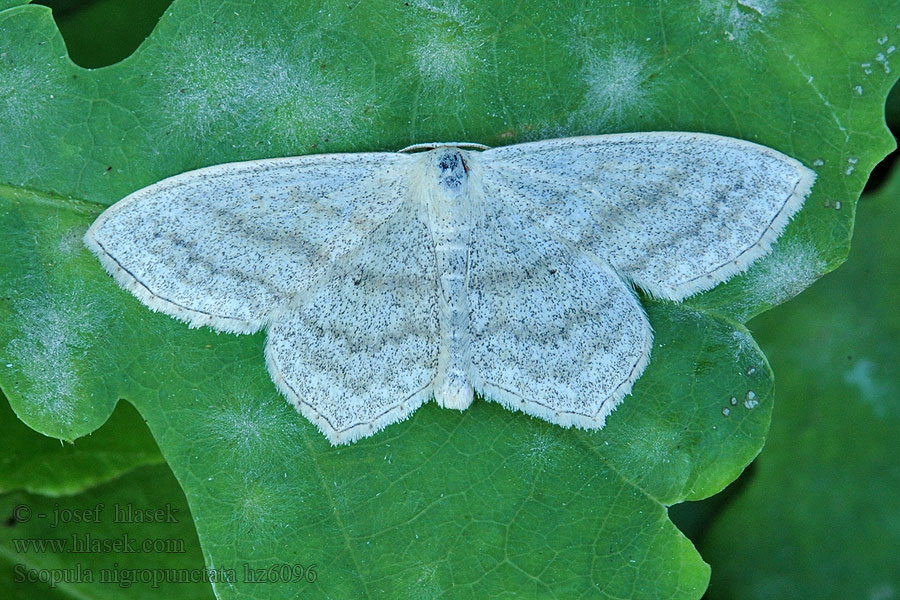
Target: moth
386, 279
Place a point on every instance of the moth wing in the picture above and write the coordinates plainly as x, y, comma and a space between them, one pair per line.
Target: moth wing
677, 213
361, 352
555, 332
226, 246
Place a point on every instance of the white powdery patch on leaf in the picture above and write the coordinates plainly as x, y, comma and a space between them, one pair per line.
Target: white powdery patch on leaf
70, 242
278, 90
249, 426
55, 331
619, 86
29, 98
660, 448
427, 584
744, 345
539, 451
260, 508
446, 44
32, 88
57, 325
444, 60
758, 9
791, 268
737, 21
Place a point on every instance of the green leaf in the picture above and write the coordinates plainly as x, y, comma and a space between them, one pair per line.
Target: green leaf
480, 503
42, 465
820, 518
4, 4
99, 544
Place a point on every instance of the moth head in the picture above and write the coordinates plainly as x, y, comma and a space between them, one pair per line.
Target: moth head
450, 169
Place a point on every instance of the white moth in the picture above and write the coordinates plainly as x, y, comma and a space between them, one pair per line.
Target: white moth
386, 279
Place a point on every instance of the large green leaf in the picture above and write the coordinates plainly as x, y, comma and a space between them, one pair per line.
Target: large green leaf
484, 502
820, 517
4, 4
